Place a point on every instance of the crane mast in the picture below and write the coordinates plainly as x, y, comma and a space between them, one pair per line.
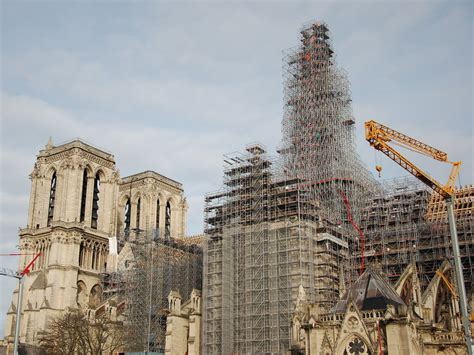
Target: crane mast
379, 137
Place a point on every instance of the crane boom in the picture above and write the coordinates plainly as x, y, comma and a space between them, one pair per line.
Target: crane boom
448, 283
379, 135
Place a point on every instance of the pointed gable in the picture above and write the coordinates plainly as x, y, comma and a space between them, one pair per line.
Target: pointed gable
353, 329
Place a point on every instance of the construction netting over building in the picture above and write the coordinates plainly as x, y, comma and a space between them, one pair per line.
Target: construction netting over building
149, 268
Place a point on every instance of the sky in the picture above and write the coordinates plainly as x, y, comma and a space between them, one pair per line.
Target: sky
172, 86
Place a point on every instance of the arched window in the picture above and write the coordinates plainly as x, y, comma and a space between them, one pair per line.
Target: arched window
52, 198
83, 196
168, 219
95, 201
157, 214
82, 249
127, 216
137, 221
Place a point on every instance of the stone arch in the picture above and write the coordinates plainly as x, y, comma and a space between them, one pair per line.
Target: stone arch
51, 170
135, 196
174, 201
161, 196
102, 175
95, 296
123, 199
81, 295
88, 168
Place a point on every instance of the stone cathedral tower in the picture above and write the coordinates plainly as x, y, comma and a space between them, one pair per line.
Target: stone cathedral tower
78, 204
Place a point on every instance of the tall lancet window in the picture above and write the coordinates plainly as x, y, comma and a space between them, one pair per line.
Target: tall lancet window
52, 198
95, 201
157, 214
83, 196
168, 220
137, 224
127, 216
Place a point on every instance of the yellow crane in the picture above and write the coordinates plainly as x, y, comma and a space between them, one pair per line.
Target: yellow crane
379, 137
448, 283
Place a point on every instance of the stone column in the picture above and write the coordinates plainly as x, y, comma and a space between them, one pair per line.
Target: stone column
133, 214
62, 198
154, 210
60, 184
32, 203
43, 201
174, 221
73, 194
183, 222
76, 195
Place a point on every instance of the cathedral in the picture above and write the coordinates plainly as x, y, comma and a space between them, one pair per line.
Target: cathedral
80, 209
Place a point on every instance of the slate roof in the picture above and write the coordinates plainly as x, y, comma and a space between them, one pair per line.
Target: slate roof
369, 292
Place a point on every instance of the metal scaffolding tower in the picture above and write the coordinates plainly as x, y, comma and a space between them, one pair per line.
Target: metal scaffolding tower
406, 222
282, 223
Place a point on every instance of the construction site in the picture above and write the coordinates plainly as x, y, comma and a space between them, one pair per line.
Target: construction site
279, 223
407, 223
301, 226
313, 216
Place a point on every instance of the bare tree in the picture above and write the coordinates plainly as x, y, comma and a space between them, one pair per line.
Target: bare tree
74, 333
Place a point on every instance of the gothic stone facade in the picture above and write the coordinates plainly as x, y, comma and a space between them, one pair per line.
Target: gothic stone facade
78, 205
376, 317
183, 324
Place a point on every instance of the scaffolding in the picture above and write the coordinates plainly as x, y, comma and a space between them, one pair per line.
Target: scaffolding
406, 222
149, 268
318, 135
264, 241
301, 219
285, 222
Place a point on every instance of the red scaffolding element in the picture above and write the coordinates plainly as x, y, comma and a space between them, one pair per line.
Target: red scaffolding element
351, 221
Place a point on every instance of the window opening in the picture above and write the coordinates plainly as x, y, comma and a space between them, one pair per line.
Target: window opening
127, 216
168, 219
52, 198
95, 202
83, 196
